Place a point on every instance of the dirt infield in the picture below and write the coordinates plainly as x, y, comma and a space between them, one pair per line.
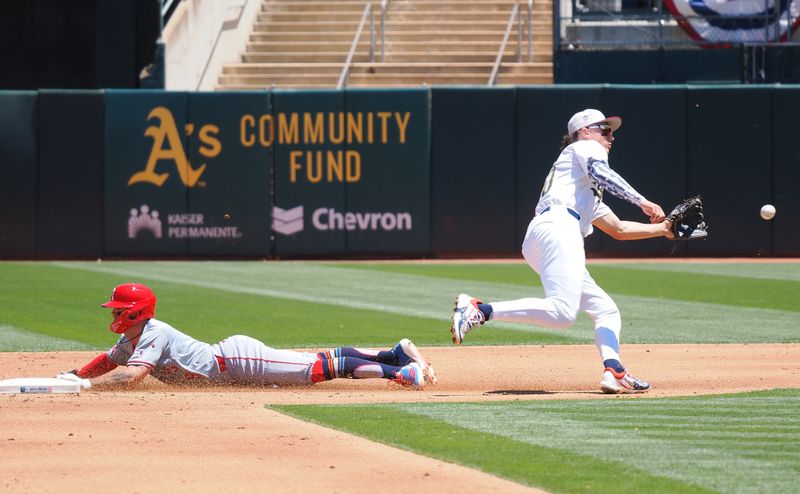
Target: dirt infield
166, 439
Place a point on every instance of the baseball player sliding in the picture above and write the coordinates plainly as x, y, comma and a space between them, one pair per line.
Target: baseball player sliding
570, 203
149, 346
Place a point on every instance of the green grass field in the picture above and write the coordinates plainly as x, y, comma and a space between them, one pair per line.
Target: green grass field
738, 444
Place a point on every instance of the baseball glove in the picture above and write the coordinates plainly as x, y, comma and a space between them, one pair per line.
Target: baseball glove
687, 221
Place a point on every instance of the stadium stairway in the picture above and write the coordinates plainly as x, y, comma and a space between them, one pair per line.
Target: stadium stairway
305, 43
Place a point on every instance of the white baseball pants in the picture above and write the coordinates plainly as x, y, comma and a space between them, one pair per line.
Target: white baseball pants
553, 247
249, 361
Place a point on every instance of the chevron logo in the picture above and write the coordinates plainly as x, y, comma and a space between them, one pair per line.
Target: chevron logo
287, 221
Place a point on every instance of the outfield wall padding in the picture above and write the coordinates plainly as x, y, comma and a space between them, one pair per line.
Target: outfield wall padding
785, 227
234, 198
17, 173
306, 176
650, 155
70, 194
148, 175
395, 178
474, 176
442, 171
729, 162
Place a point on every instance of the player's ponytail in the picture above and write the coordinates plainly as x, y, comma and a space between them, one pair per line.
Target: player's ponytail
568, 139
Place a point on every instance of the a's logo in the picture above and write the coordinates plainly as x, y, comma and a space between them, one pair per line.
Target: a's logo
144, 219
166, 130
287, 221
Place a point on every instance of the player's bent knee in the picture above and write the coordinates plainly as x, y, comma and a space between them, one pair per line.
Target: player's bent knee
565, 315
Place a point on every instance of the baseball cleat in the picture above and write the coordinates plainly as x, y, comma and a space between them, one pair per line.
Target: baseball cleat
411, 375
617, 383
407, 352
466, 316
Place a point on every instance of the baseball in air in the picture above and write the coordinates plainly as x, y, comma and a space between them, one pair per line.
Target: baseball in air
767, 211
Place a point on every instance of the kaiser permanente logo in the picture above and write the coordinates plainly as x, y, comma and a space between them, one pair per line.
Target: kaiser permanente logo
180, 225
290, 221
144, 219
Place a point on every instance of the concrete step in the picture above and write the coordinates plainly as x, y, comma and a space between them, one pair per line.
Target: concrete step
363, 79
465, 6
284, 85
391, 57
266, 80
536, 78
304, 44
418, 78
355, 80
392, 15
433, 47
334, 16
393, 37
395, 6
338, 57
392, 26
255, 69
318, 6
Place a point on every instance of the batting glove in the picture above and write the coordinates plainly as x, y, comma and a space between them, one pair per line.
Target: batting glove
68, 376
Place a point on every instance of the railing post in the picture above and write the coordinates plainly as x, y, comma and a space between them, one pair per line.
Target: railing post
371, 36
499, 59
530, 31
346, 69
519, 38
384, 7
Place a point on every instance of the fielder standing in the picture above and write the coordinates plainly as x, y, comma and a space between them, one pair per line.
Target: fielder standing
570, 203
149, 346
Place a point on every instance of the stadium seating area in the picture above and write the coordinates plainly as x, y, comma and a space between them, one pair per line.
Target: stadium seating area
305, 43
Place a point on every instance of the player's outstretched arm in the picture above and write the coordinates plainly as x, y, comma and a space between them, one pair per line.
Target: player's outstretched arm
97, 367
126, 376
631, 230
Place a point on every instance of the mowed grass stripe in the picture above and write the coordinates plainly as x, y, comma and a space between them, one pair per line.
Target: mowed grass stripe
552, 469
613, 445
747, 289
208, 313
645, 320
17, 340
594, 428
316, 283
765, 270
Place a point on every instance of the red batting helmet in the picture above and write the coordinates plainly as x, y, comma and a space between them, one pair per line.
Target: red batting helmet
139, 302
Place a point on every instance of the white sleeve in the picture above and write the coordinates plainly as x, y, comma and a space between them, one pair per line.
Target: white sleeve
600, 211
149, 349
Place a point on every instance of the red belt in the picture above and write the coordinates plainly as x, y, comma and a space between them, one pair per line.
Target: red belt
221, 362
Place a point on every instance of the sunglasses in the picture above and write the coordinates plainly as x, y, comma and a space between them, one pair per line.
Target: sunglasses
605, 129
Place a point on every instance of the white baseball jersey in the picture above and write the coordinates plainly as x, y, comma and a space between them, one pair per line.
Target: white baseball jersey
577, 180
175, 357
553, 246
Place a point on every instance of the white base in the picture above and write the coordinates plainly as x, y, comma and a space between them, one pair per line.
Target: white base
38, 385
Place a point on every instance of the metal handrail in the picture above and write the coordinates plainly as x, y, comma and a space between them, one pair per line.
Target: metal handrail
498, 60
384, 8
530, 31
349, 61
